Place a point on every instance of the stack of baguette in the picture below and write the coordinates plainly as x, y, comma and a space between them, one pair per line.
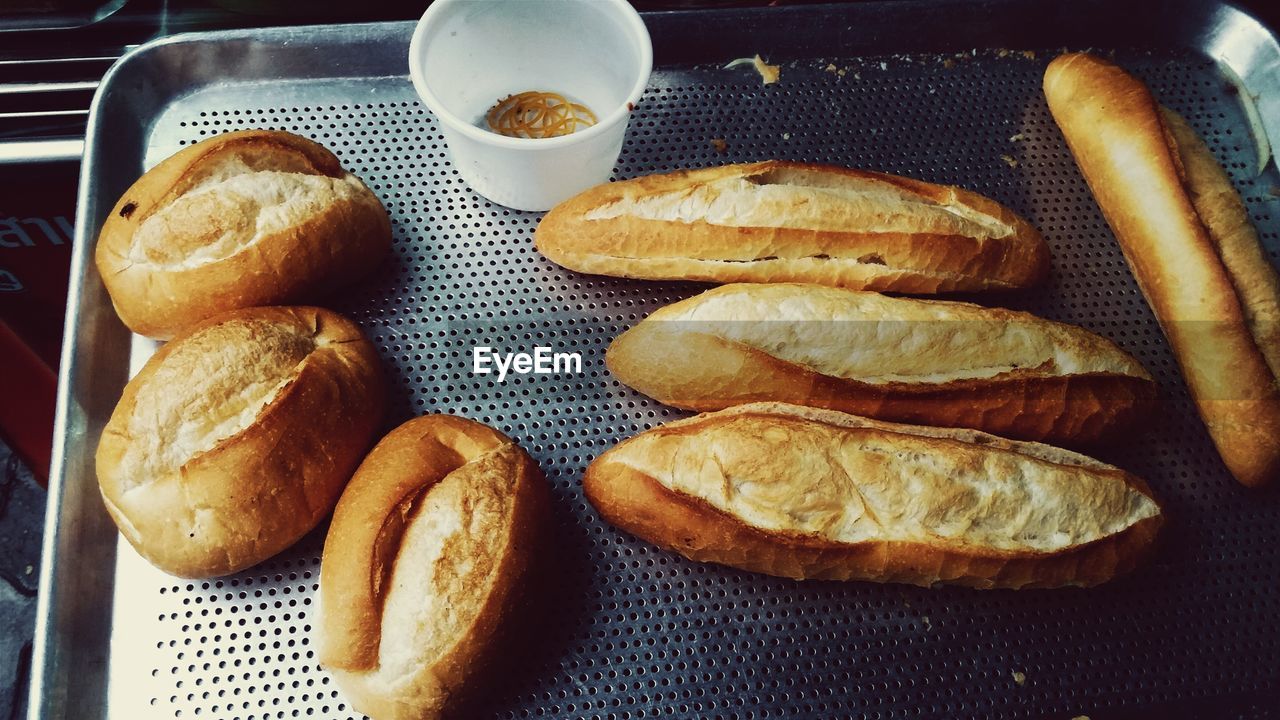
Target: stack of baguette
845, 434
238, 435
241, 433
785, 474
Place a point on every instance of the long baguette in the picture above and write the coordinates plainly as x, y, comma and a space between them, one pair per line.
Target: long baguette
900, 359
817, 494
779, 221
1188, 240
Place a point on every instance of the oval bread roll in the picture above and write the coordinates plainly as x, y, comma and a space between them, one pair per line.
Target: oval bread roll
1187, 238
236, 438
248, 218
917, 361
778, 221
817, 494
426, 553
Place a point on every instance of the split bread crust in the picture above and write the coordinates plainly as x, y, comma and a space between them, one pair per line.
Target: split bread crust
778, 221
424, 565
901, 359
806, 493
243, 219
1187, 238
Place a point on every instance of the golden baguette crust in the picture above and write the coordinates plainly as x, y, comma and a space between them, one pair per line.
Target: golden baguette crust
254, 217
425, 556
236, 438
817, 494
899, 359
1227, 221
1176, 221
778, 221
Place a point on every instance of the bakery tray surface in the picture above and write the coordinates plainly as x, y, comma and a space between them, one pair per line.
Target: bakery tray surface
620, 629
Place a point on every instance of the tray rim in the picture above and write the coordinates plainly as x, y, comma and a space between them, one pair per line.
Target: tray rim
59, 580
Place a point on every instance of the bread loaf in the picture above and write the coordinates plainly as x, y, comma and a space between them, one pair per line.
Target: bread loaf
781, 221
817, 494
235, 439
248, 218
1188, 240
918, 361
427, 552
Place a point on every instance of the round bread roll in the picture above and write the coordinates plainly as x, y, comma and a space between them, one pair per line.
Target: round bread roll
236, 438
427, 550
248, 218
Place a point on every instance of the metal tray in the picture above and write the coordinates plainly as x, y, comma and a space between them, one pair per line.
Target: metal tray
941, 91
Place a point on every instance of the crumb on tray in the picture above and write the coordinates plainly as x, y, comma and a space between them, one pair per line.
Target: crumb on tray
1009, 160
1019, 678
1029, 54
769, 74
1016, 138
719, 145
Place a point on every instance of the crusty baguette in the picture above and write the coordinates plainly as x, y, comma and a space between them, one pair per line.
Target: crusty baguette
1188, 240
425, 557
248, 218
919, 361
817, 494
781, 221
236, 438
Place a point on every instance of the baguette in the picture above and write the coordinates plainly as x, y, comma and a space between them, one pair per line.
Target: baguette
816, 494
248, 218
1187, 238
236, 438
427, 551
917, 361
779, 221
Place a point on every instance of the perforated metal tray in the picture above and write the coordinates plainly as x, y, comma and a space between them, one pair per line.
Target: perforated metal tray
621, 629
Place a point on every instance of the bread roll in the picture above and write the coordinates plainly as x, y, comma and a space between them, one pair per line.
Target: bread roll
248, 218
236, 438
779, 221
1188, 240
427, 552
921, 361
817, 494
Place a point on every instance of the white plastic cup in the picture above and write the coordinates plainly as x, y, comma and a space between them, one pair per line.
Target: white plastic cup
466, 55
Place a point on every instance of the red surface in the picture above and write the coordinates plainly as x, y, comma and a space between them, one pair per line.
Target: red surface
28, 387
36, 204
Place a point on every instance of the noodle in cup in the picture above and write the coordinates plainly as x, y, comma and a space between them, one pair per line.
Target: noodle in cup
467, 56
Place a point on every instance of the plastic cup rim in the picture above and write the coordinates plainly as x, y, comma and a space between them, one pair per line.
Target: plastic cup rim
618, 115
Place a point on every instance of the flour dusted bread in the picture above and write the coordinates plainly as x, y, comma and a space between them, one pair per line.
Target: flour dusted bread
900, 359
255, 217
424, 563
236, 438
817, 494
779, 221
1188, 240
